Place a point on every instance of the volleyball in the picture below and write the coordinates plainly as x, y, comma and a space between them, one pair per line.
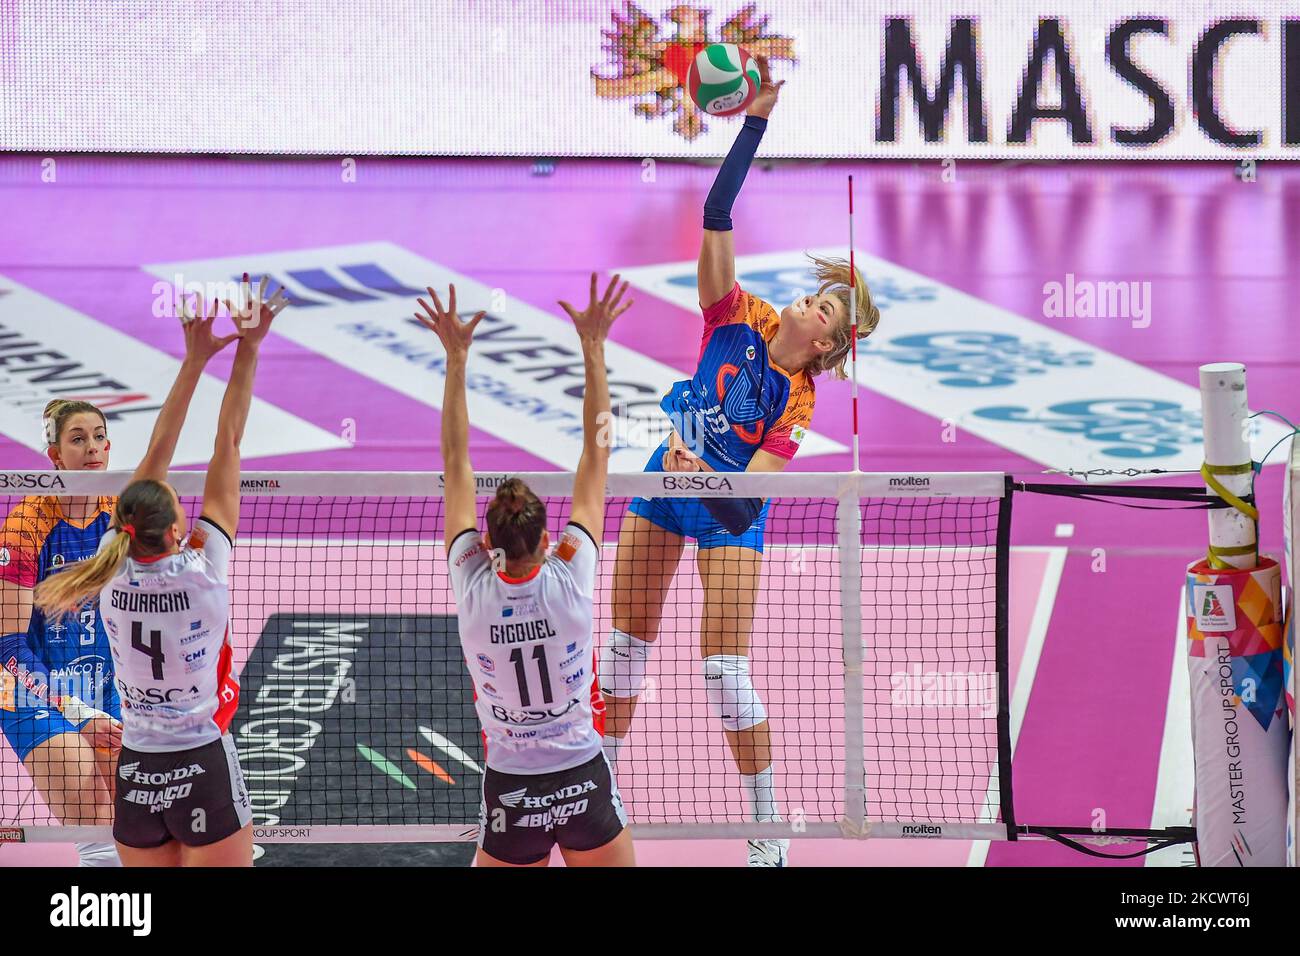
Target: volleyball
723, 79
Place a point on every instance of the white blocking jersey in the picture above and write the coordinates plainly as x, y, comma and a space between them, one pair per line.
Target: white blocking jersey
528, 644
167, 622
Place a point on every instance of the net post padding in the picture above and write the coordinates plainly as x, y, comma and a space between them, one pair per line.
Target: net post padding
1291, 531
1240, 736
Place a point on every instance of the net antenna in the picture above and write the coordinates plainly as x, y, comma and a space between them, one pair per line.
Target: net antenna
853, 328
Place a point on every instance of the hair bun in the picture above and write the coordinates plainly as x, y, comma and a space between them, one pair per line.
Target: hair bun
512, 496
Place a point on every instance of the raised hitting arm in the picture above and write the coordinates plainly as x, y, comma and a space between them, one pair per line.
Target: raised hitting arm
458, 472
716, 269
593, 325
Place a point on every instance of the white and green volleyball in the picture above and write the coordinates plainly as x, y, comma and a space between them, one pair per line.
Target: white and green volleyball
723, 79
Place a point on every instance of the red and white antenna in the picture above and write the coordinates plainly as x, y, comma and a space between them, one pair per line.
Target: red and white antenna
853, 327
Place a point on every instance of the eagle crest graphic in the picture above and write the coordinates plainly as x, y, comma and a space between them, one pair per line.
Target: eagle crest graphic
650, 68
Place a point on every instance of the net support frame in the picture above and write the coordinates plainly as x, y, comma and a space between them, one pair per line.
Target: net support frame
849, 528
1003, 652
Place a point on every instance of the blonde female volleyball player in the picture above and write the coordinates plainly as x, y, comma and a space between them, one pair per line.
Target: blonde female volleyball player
165, 600
746, 409
58, 708
525, 616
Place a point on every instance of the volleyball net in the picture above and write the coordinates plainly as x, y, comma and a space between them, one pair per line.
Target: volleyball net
879, 646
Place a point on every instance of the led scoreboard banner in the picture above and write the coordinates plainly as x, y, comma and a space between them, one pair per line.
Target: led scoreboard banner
984, 79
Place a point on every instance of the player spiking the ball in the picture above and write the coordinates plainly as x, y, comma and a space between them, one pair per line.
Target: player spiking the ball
746, 409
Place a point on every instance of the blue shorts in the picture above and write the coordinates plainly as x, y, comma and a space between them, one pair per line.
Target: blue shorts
26, 728
689, 518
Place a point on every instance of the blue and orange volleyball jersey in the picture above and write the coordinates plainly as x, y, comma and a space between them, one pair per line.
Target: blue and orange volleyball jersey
738, 401
36, 541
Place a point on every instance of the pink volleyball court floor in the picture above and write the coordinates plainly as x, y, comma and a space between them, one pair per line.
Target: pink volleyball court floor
1095, 589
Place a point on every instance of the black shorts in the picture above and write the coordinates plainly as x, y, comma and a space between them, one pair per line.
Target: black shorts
196, 796
523, 815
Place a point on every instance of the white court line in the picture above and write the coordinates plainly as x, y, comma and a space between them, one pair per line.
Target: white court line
1034, 642
1176, 778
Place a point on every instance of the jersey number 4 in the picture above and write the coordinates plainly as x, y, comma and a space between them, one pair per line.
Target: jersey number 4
153, 649
543, 673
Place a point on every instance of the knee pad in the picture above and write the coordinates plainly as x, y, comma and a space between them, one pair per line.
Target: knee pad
623, 662
731, 695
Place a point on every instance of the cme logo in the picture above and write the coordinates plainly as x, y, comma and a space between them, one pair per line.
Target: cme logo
32, 480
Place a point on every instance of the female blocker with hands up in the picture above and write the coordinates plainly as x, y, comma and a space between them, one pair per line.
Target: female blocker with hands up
547, 781
180, 798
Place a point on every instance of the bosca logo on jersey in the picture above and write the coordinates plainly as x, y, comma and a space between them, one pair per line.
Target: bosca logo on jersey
31, 480
532, 716
696, 482
156, 695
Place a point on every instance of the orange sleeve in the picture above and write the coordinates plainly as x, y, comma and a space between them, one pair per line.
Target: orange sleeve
761, 317
783, 438
21, 538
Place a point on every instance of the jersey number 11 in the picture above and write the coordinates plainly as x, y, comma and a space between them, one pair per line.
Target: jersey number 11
539, 655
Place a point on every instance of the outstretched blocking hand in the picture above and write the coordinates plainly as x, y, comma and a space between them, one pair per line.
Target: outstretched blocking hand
454, 334
254, 311
767, 93
200, 343
594, 321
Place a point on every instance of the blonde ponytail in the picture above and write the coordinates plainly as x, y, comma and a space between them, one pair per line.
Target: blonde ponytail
144, 517
66, 592
834, 276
